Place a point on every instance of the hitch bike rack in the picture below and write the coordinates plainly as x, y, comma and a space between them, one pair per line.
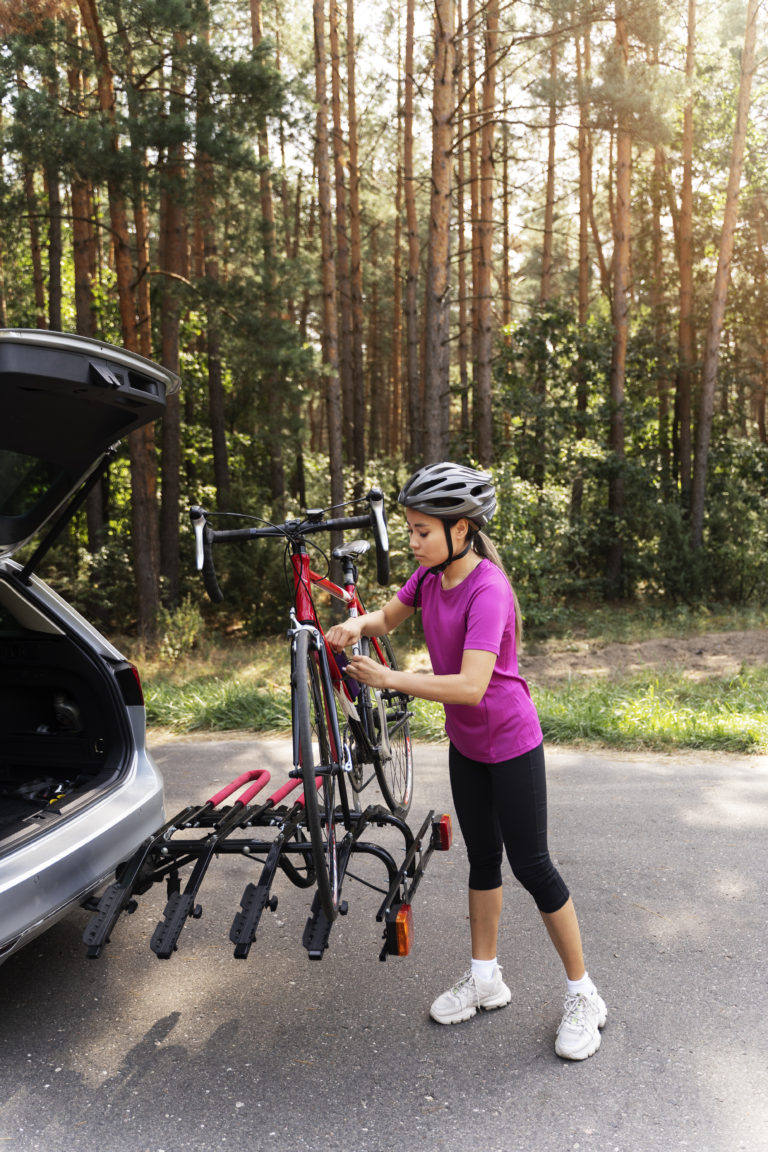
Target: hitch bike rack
198, 834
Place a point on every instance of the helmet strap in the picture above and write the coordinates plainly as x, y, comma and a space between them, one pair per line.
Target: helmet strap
442, 567
459, 555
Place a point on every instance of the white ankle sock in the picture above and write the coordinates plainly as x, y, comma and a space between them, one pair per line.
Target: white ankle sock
584, 985
483, 969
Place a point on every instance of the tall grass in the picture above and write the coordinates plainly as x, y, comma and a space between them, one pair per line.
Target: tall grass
661, 711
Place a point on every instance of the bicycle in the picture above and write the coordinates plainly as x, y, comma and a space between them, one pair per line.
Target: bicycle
376, 724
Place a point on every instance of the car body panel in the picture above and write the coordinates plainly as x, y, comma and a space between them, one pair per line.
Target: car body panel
66, 400
67, 861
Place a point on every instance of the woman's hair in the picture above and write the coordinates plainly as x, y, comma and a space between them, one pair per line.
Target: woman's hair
484, 546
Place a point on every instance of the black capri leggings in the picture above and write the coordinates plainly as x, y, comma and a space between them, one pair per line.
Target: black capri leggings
504, 806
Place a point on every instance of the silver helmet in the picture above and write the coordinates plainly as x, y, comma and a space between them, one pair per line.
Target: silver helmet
450, 491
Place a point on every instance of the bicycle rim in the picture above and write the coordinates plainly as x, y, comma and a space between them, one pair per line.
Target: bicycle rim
393, 761
310, 697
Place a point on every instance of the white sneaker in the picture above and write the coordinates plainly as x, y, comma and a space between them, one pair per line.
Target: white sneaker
463, 1000
579, 1033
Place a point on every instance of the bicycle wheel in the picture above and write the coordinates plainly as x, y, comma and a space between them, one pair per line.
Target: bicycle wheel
387, 719
313, 748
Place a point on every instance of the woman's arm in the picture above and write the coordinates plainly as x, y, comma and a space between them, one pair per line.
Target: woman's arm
378, 623
468, 686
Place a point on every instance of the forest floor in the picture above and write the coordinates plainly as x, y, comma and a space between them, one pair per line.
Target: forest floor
550, 663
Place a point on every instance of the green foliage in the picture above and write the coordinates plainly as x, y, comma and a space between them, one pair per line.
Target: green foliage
660, 712
552, 444
179, 629
217, 706
653, 710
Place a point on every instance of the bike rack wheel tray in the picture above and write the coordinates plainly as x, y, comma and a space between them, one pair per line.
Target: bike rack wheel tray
199, 834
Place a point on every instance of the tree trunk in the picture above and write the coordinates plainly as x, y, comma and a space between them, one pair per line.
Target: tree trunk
415, 418
36, 252
659, 315
330, 324
275, 399
55, 247
208, 260
547, 254
141, 442
466, 423
355, 253
175, 267
620, 319
761, 354
583, 64
472, 136
484, 416
343, 282
436, 375
717, 313
394, 433
686, 335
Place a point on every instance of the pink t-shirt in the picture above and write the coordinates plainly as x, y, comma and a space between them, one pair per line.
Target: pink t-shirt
479, 613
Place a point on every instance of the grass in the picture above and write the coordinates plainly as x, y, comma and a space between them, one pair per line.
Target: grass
241, 685
661, 712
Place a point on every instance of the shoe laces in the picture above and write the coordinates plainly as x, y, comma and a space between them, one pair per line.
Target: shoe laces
466, 979
575, 1009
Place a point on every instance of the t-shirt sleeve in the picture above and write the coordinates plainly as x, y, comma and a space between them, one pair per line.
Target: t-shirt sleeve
487, 616
408, 591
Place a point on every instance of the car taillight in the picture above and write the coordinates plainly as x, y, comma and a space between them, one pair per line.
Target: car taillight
442, 833
130, 684
400, 931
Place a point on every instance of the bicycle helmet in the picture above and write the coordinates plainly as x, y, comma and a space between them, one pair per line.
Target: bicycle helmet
451, 491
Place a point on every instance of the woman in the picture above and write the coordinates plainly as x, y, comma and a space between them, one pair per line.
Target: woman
471, 624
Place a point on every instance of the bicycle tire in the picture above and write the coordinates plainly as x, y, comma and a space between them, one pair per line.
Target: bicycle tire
311, 697
393, 754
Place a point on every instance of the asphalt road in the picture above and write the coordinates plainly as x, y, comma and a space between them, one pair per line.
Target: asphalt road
666, 861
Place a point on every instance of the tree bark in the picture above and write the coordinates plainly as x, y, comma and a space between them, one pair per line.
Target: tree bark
330, 338
343, 281
275, 399
620, 319
355, 253
436, 374
35, 247
208, 261
583, 63
175, 266
720, 292
484, 416
415, 418
686, 334
141, 442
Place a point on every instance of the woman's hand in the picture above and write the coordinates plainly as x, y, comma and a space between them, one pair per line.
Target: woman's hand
367, 671
344, 635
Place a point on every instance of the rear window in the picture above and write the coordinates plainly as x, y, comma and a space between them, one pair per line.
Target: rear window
24, 482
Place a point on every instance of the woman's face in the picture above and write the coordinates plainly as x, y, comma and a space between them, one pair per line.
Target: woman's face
426, 535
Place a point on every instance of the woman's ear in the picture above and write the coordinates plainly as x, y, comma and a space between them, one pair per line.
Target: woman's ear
462, 529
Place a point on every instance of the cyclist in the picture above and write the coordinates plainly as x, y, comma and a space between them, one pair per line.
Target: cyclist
471, 623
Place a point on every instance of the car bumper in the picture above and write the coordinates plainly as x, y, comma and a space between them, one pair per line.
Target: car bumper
43, 880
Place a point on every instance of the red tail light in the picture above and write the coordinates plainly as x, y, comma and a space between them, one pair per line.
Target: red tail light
130, 684
442, 833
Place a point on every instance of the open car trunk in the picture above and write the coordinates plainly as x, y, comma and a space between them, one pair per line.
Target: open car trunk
64, 738
66, 734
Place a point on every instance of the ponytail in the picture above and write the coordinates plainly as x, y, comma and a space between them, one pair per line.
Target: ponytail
485, 547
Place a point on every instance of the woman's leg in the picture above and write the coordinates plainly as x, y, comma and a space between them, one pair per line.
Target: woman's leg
563, 929
484, 916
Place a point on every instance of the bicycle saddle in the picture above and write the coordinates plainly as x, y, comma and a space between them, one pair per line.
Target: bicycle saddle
351, 550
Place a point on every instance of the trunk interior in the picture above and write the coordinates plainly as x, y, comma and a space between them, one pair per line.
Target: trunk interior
62, 737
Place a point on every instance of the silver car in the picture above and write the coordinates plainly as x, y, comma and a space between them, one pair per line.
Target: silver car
78, 789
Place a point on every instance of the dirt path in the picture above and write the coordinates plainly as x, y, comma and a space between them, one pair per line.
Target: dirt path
712, 654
